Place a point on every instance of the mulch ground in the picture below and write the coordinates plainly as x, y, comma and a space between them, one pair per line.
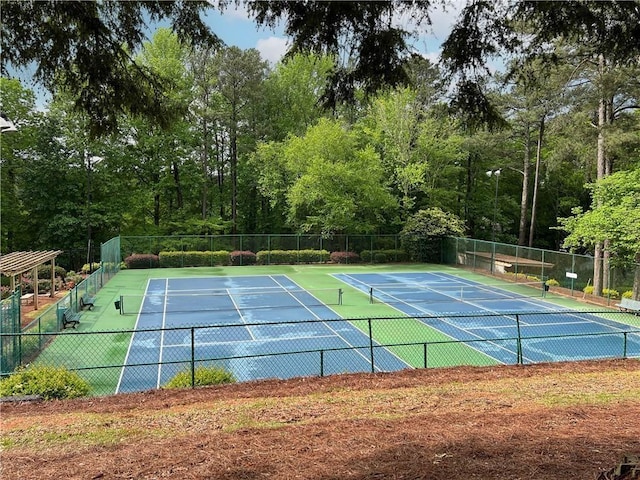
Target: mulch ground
552, 421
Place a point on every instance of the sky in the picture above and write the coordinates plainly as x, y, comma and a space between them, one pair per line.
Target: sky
236, 28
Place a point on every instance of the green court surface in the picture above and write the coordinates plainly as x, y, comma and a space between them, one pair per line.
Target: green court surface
99, 356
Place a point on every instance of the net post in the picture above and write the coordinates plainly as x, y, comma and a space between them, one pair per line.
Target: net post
340, 296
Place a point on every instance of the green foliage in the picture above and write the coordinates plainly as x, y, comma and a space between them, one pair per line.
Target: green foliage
384, 256
202, 376
606, 292
94, 266
291, 257
194, 259
628, 294
552, 282
423, 231
47, 381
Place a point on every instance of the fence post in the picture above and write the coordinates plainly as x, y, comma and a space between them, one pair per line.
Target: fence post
424, 353
519, 342
371, 346
322, 363
193, 357
624, 347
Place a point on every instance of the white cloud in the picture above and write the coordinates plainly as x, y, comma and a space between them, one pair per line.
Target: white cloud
272, 49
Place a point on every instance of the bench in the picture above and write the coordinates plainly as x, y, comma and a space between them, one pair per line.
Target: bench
26, 298
68, 318
628, 305
87, 301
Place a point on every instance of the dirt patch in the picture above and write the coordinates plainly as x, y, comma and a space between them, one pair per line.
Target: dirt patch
552, 421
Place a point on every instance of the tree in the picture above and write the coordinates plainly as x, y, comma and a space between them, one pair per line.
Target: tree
614, 216
423, 232
330, 180
372, 51
487, 30
88, 48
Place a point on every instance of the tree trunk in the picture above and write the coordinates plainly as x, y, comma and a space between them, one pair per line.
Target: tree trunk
601, 173
534, 201
176, 181
524, 199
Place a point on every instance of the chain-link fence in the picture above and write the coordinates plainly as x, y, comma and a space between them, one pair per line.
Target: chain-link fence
369, 248
135, 360
10, 324
569, 271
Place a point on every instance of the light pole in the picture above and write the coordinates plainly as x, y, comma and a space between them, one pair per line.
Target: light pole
90, 162
494, 173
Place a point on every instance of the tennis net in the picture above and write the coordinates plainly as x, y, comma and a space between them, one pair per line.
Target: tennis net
232, 299
421, 293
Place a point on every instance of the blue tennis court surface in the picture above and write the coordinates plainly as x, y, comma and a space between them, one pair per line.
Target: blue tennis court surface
490, 314
246, 306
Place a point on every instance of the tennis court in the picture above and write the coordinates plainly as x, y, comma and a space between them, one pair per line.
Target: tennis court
254, 311
466, 310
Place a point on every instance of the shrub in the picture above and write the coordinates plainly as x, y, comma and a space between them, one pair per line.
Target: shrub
193, 258
291, 257
94, 266
46, 381
345, 257
628, 294
44, 272
142, 260
606, 292
202, 376
552, 282
384, 256
244, 257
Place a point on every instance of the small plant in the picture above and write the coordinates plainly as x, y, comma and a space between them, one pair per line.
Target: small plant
202, 376
552, 282
47, 381
628, 294
345, 257
142, 260
94, 266
244, 257
610, 293
588, 289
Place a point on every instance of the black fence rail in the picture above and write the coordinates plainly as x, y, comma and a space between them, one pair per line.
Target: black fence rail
137, 360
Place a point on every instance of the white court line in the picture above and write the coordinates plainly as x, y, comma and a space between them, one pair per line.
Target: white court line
164, 324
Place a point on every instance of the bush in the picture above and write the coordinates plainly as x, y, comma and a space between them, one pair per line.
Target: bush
44, 272
202, 376
384, 256
291, 257
46, 381
423, 232
628, 294
94, 266
242, 258
345, 257
142, 260
552, 282
606, 292
193, 259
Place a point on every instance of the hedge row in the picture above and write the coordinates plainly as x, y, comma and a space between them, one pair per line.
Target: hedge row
266, 257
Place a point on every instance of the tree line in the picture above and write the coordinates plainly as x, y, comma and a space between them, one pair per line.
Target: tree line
323, 144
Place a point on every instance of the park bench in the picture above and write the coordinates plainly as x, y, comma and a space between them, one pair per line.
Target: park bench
87, 301
68, 318
628, 305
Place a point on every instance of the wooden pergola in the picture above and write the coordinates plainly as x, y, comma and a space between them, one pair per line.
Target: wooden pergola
16, 263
